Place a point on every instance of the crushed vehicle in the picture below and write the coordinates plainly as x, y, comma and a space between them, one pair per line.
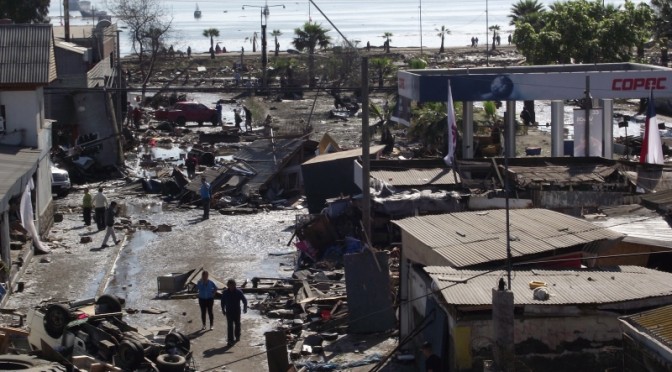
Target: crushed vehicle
184, 112
88, 331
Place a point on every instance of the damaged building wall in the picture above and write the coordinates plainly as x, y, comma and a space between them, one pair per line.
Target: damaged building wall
23, 117
94, 117
557, 342
569, 200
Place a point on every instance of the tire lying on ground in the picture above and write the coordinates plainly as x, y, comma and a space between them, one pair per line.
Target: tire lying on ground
107, 304
171, 363
56, 319
28, 363
179, 340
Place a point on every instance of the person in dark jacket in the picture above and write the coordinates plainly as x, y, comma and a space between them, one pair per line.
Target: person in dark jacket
432, 361
231, 299
110, 213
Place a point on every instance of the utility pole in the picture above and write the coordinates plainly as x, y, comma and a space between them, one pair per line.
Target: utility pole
589, 105
120, 120
66, 19
420, 27
487, 35
366, 158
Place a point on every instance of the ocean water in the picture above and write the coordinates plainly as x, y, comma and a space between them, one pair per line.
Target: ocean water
361, 21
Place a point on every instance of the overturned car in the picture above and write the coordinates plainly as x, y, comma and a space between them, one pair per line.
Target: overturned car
92, 331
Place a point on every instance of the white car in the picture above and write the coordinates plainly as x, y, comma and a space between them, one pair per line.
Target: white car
60, 181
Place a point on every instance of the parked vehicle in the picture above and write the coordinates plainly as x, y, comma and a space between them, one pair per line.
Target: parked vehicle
60, 181
184, 112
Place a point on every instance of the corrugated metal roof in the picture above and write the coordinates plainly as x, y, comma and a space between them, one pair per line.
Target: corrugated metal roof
268, 159
635, 221
17, 165
567, 287
561, 174
471, 238
661, 200
27, 54
417, 177
101, 74
656, 322
344, 155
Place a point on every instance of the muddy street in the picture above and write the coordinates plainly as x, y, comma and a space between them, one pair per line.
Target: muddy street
238, 247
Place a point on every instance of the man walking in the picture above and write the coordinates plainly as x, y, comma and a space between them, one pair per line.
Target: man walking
248, 119
205, 198
110, 212
231, 299
87, 206
100, 203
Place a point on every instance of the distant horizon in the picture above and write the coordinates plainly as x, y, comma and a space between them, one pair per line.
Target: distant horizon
367, 23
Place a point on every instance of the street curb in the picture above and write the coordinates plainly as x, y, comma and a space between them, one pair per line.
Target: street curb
108, 273
13, 279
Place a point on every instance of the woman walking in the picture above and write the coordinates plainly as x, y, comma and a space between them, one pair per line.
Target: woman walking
206, 298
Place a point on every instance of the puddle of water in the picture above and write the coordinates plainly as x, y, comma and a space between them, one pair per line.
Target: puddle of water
142, 208
128, 268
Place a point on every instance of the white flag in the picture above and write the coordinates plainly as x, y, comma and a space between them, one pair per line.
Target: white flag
452, 129
652, 147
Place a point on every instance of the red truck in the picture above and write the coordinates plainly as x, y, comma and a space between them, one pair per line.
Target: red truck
183, 112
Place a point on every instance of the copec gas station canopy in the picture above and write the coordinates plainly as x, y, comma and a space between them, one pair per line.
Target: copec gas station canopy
555, 83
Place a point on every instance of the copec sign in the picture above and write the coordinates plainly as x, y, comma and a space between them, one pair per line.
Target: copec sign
535, 86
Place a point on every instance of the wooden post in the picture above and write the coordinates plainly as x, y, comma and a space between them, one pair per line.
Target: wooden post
276, 351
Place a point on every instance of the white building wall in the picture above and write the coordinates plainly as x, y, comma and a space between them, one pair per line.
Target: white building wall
24, 111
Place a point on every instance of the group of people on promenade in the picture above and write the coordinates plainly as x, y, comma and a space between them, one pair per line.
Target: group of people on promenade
104, 214
231, 299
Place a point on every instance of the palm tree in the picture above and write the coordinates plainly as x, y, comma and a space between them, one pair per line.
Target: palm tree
526, 11
253, 41
388, 39
443, 31
275, 34
382, 66
211, 33
311, 36
495, 30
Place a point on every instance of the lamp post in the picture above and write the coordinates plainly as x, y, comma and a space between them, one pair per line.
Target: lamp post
264, 13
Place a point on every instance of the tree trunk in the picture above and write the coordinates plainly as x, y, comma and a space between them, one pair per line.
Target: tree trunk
212, 47
277, 47
441, 49
311, 69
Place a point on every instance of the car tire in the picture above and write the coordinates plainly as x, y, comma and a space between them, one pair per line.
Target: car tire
200, 123
129, 355
178, 339
28, 363
107, 304
171, 363
181, 121
56, 319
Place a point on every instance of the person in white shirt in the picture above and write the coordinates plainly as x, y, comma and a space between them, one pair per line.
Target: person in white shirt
99, 205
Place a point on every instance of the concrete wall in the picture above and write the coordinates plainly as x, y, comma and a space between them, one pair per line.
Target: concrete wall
541, 339
94, 116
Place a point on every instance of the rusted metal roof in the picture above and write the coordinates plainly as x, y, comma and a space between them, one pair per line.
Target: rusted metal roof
656, 323
470, 238
373, 150
27, 54
417, 177
567, 287
570, 174
18, 166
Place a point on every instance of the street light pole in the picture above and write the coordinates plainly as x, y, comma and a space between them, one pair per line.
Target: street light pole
264, 13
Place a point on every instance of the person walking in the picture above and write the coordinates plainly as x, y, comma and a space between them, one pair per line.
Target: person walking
206, 298
192, 164
99, 204
248, 119
237, 118
218, 108
110, 213
87, 206
231, 299
432, 361
205, 198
